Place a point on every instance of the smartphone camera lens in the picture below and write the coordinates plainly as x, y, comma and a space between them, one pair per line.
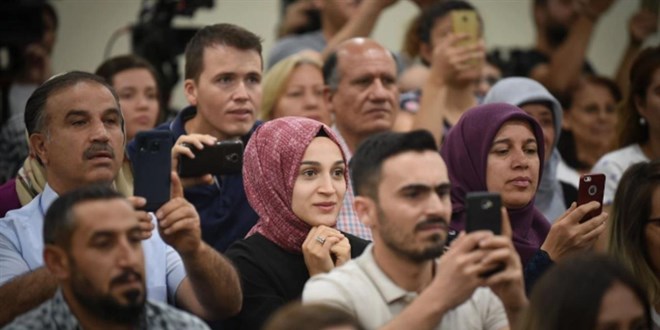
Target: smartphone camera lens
587, 179
486, 204
233, 158
155, 146
592, 190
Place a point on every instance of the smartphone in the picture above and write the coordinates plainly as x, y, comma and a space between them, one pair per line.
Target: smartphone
591, 188
651, 5
152, 165
222, 158
483, 212
467, 22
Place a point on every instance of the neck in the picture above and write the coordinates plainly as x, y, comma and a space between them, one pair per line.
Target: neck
198, 125
88, 320
459, 99
652, 147
407, 274
352, 140
588, 153
62, 187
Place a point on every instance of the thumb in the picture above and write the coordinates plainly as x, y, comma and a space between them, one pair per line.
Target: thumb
506, 223
176, 188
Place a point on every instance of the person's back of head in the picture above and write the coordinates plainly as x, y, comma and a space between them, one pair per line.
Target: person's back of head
312, 317
633, 222
581, 293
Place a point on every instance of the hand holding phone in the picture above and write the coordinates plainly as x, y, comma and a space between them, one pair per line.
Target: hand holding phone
591, 188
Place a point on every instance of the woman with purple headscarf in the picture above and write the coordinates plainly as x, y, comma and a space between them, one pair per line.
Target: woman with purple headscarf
295, 178
499, 148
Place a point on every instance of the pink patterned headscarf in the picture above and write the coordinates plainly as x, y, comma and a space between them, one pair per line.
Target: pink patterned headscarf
270, 167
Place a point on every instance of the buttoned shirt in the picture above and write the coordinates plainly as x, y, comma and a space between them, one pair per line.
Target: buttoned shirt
347, 220
361, 288
22, 245
55, 314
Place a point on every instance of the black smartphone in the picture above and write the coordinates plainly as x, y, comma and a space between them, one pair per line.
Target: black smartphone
651, 5
483, 212
151, 168
222, 158
591, 188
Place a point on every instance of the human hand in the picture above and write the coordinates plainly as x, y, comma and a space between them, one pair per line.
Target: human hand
182, 148
144, 219
457, 64
593, 9
296, 16
459, 269
317, 249
178, 221
641, 25
568, 235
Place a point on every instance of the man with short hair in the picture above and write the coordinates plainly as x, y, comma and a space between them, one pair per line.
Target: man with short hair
93, 248
362, 94
77, 132
403, 194
223, 85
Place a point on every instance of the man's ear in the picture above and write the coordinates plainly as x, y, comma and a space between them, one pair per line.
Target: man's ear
190, 90
365, 208
38, 146
327, 96
57, 261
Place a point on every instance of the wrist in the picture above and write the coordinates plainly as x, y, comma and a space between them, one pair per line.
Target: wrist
194, 253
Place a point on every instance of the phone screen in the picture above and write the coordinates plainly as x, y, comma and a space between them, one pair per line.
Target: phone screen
591, 188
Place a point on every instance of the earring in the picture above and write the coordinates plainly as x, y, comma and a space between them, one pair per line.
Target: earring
642, 121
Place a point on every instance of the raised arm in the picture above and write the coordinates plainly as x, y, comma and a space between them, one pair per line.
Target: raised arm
25, 292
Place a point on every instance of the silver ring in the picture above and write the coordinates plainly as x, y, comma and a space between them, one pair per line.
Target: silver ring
320, 239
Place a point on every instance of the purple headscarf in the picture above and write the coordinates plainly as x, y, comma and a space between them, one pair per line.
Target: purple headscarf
270, 168
465, 150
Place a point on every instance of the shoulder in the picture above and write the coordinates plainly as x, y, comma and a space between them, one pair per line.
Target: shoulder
343, 287
159, 314
38, 318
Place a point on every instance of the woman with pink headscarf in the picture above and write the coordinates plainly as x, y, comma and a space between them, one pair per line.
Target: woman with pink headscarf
295, 178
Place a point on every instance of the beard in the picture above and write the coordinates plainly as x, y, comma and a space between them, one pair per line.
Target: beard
402, 244
556, 34
105, 306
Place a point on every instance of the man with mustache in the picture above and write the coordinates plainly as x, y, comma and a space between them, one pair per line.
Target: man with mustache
403, 194
360, 78
76, 130
93, 248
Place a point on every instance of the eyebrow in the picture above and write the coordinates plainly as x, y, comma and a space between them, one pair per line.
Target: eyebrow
311, 162
443, 187
508, 140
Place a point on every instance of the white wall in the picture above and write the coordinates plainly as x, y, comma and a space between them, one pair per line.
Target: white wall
86, 26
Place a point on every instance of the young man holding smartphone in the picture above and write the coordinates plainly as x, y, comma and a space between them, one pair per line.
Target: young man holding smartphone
223, 85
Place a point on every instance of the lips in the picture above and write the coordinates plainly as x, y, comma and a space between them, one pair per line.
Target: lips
432, 224
325, 207
521, 181
240, 113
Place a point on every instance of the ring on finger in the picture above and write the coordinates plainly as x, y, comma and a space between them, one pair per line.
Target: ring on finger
320, 239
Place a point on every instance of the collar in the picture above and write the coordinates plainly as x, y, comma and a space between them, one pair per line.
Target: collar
46, 198
388, 289
177, 126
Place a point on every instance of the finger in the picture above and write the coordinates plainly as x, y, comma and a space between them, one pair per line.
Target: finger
578, 214
506, 223
176, 215
311, 236
205, 180
168, 207
471, 241
179, 226
597, 224
176, 188
137, 202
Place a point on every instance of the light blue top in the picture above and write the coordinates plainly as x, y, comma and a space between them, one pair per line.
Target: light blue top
22, 244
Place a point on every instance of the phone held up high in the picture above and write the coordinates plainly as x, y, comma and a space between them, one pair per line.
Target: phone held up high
222, 158
591, 188
466, 22
483, 212
152, 166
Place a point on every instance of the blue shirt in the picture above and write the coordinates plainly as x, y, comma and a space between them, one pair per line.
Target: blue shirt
224, 211
22, 245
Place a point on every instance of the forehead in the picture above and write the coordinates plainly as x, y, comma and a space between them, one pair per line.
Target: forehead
536, 109
413, 167
113, 215
222, 58
515, 129
358, 60
322, 148
83, 95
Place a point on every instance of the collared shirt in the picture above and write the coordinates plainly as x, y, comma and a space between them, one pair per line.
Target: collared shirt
55, 314
347, 220
22, 245
364, 290
224, 211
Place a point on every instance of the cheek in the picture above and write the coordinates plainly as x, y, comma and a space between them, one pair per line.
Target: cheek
652, 236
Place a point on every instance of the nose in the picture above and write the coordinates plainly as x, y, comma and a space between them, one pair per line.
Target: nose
241, 92
143, 102
311, 100
519, 159
326, 185
100, 132
378, 91
128, 255
438, 206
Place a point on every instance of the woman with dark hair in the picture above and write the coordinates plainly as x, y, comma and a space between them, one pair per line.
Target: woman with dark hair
295, 178
635, 228
136, 83
588, 126
639, 122
587, 292
499, 148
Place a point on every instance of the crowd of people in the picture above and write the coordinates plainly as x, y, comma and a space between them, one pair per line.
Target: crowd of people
351, 210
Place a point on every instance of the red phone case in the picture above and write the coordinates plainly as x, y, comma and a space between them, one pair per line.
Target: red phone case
591, 188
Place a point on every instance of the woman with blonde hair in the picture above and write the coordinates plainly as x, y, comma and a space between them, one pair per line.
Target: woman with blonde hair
294, 87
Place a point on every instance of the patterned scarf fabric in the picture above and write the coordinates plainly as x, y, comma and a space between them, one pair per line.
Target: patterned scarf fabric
270, 167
